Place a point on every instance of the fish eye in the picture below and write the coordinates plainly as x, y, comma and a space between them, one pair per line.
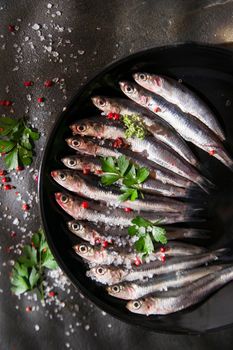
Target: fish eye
71, 162
100, 270
76, 143
83, 248
64, 199
76, 226
129, 89
142, 76
62, 176
82, 127
116, 288
102, 102
137, 304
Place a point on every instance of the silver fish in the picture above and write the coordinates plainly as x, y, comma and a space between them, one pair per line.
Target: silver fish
105, 149
149, 147
189, 127
180, 95
156, 126
73, 182
96, 234
136, 290
118, 217
111, 256
181, 298
113, 275
93, 165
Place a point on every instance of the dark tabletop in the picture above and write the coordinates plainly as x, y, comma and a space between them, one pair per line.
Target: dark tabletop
69, 41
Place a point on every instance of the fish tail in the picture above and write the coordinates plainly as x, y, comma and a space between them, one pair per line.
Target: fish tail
224, 157
192, 218
197, 233
193, 209
205, 184
221, 252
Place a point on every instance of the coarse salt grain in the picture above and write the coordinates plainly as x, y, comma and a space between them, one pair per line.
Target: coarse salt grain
36, 26
16, 221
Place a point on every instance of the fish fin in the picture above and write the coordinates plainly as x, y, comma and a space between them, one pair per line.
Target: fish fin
221, 252
205, 184
198, 233
231, 167
192, 219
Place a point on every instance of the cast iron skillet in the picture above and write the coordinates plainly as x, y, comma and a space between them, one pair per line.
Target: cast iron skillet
209, 71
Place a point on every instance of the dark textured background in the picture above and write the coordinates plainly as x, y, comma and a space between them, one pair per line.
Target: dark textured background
75, 40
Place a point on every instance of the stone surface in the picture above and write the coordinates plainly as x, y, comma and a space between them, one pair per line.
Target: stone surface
68, 42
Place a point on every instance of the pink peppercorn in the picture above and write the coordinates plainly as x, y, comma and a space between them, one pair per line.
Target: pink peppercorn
48, 83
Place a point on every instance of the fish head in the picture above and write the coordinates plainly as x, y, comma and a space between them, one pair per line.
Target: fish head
130, 89
88, 128
123, 291
77, 228
139, 306
102, 103
106, 274
67, 178
83, 231
106, 104
82, 145
65, 201
151, 82
85, 250
72, 162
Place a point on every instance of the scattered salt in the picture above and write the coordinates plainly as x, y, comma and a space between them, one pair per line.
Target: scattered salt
36, 26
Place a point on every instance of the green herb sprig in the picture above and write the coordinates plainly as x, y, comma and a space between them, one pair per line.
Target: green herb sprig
131, 176
134, 126
147, 233
28, 271
16, 140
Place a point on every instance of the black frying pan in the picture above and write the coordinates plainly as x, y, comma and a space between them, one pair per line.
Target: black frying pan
209, 71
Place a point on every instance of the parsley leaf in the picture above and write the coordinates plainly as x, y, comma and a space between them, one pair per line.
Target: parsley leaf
17, 141
159, 234
130, 176
11, 159
134, 126
28, 271
147, 233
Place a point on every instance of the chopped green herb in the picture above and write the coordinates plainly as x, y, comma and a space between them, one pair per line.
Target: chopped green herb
147, 232
120, 169
28, 271
16, 140
134, 125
